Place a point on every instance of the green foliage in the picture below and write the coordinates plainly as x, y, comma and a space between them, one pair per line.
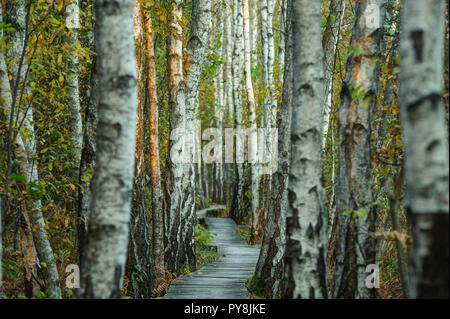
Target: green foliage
247, 235
358, 213
256, 286
202, 235
206, 255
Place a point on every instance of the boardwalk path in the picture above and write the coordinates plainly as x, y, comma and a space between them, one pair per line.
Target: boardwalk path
225, 278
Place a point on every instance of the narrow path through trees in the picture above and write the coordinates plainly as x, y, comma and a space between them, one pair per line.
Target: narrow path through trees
225, 278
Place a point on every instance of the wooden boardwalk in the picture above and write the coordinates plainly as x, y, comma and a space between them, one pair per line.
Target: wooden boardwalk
225, 278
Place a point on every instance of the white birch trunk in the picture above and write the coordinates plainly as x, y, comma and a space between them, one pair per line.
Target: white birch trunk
252, 137
355, 219
254, 15
283, 35
330, 42
180, 216
73, 96
103, 259
305, 265
426, 144
237, 67
139, 264
270, 266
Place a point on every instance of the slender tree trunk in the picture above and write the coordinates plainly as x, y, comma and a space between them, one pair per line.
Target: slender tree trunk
172, 213
269, 109
426, 145
270, 266
73, 96
237, 209
254, 15
220, 107
155, 172
252, 137
394, 211
282, 46
353, 246
139, 264
88, 154
16, 15
229, 120
305, 265
330, 42
105, 253
269, 113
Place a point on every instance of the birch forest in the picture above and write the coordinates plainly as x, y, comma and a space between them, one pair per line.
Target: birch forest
256, 149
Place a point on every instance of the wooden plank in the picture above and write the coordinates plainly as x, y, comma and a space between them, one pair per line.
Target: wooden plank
225, 278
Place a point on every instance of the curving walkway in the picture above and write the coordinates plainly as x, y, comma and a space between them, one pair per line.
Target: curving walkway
225, 278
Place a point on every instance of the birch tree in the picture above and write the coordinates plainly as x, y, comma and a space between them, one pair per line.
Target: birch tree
353, 248
282, 46
88, 153
252, 132
228, 83
139, 263
426, 144
305, 224
155, 172
73, 96
220, 80
237, 209
104, 256
180, 215
18, 15
268, 55
270, 266
330, 42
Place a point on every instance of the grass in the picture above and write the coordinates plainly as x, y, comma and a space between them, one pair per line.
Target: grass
251, 238
256, 287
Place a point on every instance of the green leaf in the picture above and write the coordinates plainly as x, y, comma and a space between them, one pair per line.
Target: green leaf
361, 94
352, 85
362, 212
19, 178
367, 101
35, 190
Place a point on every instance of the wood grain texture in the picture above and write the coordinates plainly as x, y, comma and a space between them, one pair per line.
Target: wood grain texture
225, 278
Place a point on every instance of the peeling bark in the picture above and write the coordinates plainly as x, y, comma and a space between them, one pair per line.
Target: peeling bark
237, 209
139, 263
270, 266
353, 246
155, 172
180, 214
